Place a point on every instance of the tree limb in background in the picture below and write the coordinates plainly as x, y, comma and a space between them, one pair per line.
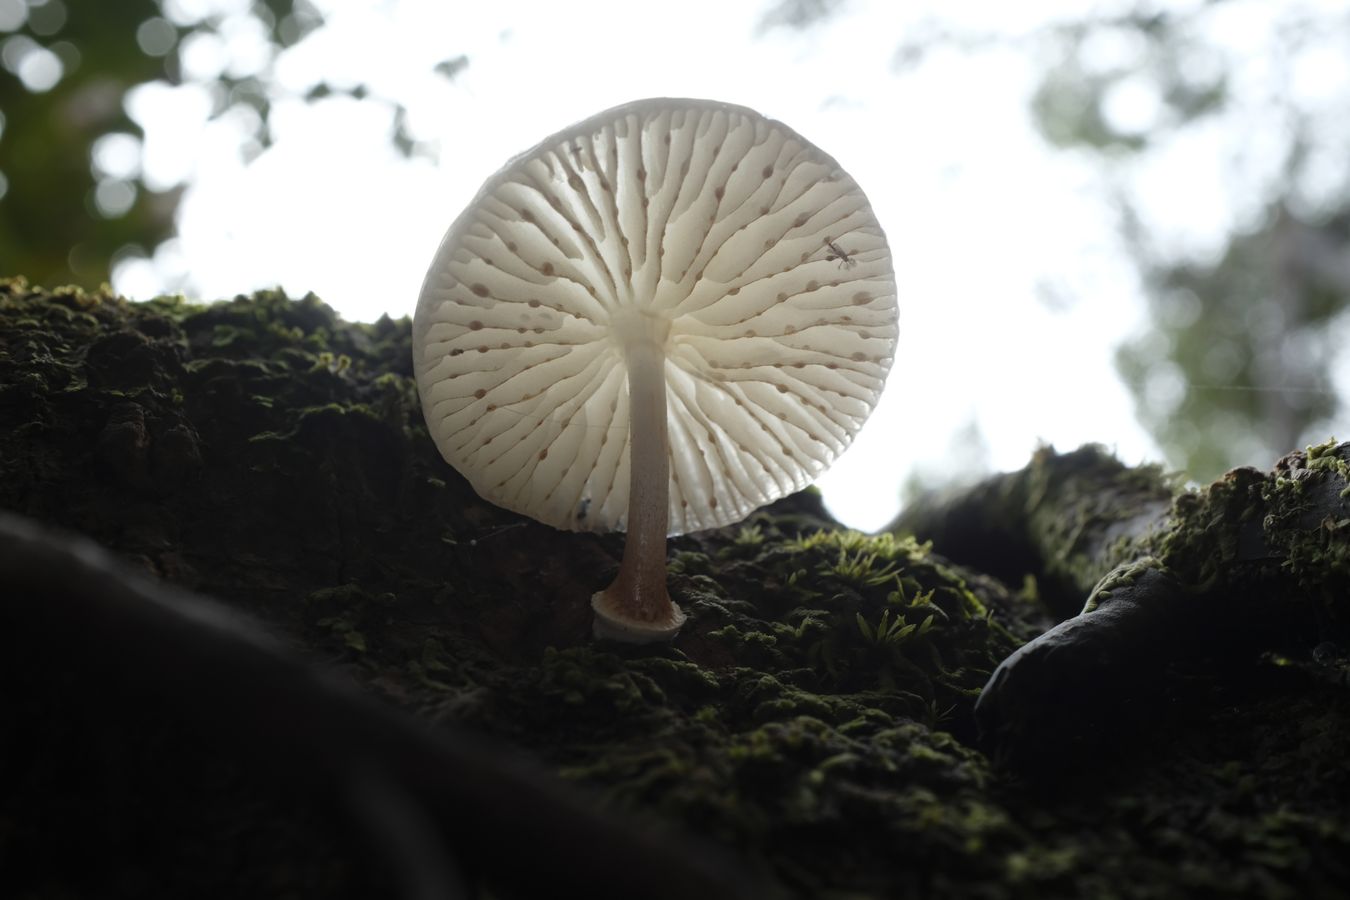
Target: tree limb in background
1065, 520
1255, 563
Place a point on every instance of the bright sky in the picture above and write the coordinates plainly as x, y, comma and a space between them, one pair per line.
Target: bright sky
1014, 292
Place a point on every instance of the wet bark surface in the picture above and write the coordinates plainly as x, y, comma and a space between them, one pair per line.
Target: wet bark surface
314, 664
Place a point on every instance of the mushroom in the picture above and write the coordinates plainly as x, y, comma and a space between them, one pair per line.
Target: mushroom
657, 320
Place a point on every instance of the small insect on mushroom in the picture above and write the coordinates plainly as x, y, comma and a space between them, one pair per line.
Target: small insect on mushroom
657, 255
836, 252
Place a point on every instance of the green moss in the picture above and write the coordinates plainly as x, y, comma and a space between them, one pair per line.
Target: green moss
1325, 458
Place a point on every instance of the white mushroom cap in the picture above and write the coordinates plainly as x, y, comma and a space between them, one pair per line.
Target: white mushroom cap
714, 226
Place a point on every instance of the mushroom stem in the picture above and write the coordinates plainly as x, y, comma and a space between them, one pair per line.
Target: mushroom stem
637, 608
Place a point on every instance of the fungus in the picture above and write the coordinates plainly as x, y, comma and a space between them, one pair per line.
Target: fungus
643, 324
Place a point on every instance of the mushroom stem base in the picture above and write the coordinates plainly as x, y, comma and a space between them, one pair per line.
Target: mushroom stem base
611, 624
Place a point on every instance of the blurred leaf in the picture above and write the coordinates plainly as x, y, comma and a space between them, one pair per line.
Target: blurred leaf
798, 14
1067, 108
452, 67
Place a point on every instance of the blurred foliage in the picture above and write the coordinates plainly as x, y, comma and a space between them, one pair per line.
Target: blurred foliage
48, 224
63, 218
1235, 367
1070, 104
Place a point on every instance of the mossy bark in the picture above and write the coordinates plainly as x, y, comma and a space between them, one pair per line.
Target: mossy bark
816, 718
1064, 520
